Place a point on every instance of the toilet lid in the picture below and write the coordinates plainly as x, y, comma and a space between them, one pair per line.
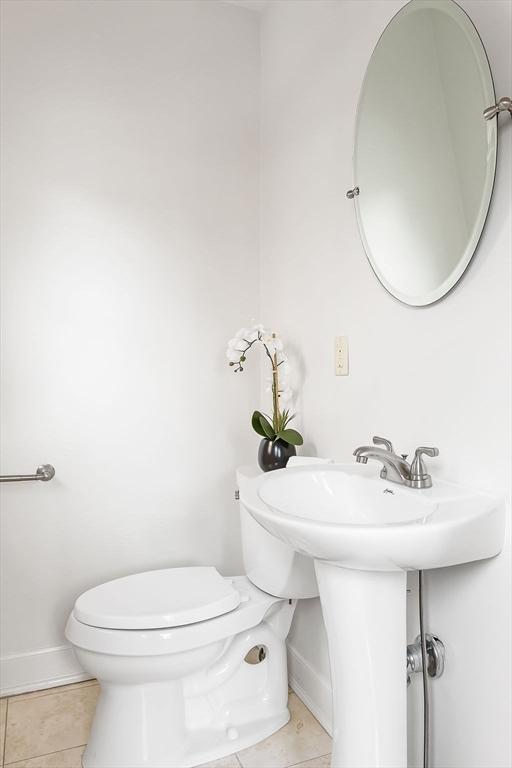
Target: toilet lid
157, 599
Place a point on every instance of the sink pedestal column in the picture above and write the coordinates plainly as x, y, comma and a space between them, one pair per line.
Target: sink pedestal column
365, 618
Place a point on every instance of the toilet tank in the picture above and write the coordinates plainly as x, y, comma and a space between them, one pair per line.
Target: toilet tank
270, 563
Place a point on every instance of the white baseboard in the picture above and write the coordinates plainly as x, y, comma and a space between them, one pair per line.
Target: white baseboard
39, 669
311, 687
51, 667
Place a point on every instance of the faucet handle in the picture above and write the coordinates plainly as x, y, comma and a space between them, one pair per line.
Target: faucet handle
419, 475
427, 451
383, 441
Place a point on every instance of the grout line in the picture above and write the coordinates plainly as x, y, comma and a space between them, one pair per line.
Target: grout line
303, 762
51, 692
55, 752
77, 686
2, 756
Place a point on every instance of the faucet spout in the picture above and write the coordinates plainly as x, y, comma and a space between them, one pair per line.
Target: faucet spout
394, 468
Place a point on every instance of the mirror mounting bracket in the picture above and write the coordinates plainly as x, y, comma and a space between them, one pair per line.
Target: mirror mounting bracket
503, 105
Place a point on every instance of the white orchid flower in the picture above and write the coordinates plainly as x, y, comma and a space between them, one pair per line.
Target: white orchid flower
232, 355
274, 427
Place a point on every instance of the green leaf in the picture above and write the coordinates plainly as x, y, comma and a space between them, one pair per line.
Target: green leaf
290, 436
256, 424
267, 427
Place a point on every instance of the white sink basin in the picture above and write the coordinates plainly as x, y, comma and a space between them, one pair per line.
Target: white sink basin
364, 533
348, 515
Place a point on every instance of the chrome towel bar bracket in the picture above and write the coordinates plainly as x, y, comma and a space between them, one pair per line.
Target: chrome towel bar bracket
44, 472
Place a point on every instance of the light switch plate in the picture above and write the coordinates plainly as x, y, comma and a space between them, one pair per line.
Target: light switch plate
341, 356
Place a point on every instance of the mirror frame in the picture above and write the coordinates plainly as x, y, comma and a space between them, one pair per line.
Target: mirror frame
474, 40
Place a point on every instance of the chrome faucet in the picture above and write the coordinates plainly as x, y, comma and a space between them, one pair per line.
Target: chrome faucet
396, 468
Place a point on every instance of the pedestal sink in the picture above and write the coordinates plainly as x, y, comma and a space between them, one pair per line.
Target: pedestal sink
364, 534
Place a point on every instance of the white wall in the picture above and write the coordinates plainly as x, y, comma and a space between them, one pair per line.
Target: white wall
130, 194
130, 191
434, 376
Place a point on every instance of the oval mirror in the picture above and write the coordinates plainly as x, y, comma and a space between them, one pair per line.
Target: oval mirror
425, 156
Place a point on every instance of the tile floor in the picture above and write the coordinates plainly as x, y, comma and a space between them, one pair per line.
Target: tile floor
48, 729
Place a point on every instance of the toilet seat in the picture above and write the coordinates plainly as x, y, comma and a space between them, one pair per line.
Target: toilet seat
172, 597
253, 606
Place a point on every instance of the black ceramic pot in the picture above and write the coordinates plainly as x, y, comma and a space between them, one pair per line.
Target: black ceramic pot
274, 454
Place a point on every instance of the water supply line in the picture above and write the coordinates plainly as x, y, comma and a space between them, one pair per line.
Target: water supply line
424, 673
425, 655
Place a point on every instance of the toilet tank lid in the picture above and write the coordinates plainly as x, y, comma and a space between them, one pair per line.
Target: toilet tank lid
157, 599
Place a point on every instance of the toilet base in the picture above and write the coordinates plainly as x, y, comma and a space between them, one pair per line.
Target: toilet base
248, 735
205, 746
225, 705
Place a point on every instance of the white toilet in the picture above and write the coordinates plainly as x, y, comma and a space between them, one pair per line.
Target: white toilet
192, 666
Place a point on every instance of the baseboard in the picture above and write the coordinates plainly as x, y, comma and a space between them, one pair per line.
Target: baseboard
51, 667
34, 671
311, 687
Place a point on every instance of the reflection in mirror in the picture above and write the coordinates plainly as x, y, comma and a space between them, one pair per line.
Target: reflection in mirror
424, 156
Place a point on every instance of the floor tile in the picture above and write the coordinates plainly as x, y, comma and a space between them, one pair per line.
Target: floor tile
49, 691
46, 724
317, 762
231, 761
301, 740
68, 758
3, 717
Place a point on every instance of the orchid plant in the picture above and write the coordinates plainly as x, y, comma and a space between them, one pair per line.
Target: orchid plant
273, 427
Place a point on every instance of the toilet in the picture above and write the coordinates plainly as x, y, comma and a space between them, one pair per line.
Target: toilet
191, 664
